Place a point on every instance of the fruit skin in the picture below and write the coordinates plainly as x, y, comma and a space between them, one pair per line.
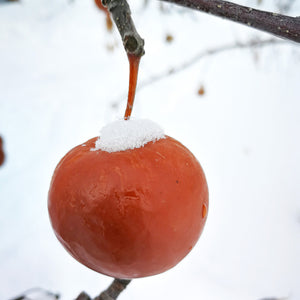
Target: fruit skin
132, 213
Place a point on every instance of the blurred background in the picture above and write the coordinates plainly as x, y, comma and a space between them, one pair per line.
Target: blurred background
64, 75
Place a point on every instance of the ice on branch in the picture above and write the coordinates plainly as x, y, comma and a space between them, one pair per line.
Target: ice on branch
122, 135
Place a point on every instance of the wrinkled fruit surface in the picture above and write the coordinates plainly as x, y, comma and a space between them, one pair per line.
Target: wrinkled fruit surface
132, 213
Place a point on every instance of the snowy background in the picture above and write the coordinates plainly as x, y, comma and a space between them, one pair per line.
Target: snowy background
63, 77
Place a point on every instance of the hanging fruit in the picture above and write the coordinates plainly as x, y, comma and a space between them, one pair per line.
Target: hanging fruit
131, 203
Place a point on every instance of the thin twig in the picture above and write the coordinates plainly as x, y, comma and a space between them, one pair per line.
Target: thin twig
121, 14
280, 25
206, 53
201, 55
114, 290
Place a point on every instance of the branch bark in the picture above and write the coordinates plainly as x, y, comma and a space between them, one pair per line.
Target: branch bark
114, 290
280, 25
111, 293
121, 14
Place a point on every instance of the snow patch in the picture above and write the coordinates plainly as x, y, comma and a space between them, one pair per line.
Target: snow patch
122, 135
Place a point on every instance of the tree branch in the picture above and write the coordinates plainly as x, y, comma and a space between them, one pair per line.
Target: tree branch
209, 52
201, 55
121, 14
114, 290
111, 293
277, 24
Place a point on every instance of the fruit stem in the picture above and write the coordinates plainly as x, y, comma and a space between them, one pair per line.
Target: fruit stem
134, 62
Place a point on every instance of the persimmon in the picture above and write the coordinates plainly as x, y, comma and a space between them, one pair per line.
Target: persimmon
129, 213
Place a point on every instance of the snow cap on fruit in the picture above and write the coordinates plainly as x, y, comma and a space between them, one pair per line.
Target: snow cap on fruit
123, 135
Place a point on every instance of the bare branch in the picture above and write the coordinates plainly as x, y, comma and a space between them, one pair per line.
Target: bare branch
277, 24
111, 293
114, 290
201, 55
121, 14
210, 52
